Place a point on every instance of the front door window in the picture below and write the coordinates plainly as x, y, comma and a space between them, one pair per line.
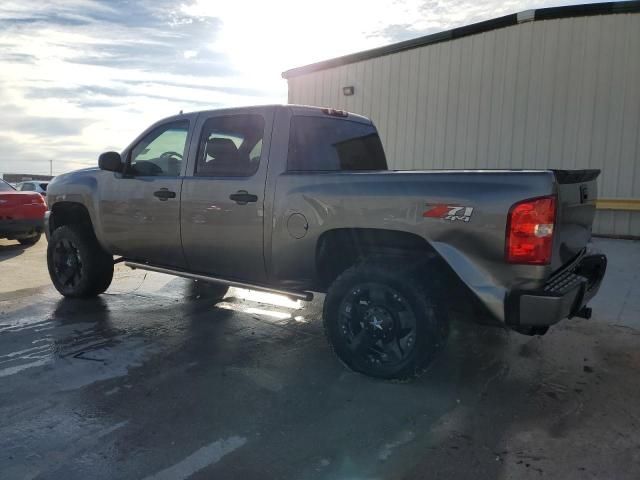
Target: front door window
160, 153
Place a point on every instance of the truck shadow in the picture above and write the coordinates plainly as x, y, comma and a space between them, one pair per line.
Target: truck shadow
11, 250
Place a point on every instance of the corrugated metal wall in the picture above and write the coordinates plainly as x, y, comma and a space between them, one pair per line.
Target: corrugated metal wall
556, 93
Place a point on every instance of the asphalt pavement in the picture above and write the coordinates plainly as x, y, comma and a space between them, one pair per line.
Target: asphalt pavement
151, 381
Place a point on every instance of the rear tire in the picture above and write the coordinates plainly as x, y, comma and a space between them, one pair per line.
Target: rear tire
78, 266
32, 240
385, 320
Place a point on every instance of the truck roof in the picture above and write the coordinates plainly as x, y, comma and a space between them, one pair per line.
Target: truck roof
307, 110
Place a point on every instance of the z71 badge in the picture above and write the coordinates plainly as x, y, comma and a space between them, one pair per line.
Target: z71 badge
448, 212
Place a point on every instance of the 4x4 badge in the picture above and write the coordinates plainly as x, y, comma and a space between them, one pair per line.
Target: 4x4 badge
448, 212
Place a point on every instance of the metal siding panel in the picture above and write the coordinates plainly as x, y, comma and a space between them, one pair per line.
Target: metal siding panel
534, 92
358, 97
392, 109
485, 100
441, 116
575, 82
473, 114
422, 105
366, 89
602, 105
628, 172
412, 107
473, 124
521, 139
347, 75
400, 118
453, 98
462, 113
560, 93
615, 124
603, 59
587, 93
385, 94
497, 90
548, 43
432, 109
376, 93
512, 44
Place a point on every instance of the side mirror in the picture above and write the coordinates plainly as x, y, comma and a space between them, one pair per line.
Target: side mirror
110, 161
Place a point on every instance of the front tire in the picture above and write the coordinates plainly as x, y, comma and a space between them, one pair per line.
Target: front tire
385, 320
78, 265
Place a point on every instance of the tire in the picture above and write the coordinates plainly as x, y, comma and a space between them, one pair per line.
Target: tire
78, 266
32, 240
384, 320
207, 291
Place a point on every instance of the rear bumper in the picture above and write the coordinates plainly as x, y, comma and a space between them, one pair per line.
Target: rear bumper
563, 296
20, 227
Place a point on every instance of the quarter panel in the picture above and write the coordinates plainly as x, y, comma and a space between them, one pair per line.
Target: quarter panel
398, 201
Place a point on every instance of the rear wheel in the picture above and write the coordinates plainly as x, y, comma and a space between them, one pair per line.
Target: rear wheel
32, 240
78, 266
385, 320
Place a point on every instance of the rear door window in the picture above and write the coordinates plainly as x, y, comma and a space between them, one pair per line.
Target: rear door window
330, 144
230, 146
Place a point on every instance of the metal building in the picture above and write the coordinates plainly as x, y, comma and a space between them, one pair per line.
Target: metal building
553, 87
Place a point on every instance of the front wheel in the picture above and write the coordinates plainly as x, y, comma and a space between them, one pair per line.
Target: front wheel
383, 320
78, 266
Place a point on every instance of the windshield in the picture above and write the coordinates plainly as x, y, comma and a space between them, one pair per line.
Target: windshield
5, 187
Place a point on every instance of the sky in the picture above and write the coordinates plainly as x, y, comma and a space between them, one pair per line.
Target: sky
79, 77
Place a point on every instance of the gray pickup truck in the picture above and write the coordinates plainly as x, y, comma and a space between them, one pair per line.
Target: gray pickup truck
296, 200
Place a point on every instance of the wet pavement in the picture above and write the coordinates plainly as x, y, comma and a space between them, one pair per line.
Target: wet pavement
150, 381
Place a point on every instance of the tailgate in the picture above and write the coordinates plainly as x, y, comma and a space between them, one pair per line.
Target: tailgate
577, 194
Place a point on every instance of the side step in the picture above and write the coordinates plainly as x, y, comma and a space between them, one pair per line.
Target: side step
306, 296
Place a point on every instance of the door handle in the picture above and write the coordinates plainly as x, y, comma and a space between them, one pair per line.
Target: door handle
242, 197
164, 194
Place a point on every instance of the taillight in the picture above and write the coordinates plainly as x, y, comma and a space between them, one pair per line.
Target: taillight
530, 231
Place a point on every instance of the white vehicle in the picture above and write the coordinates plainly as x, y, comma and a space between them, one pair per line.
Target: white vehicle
33, 186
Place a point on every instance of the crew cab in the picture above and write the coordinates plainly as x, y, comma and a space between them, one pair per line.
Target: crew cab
21, 214
297, 200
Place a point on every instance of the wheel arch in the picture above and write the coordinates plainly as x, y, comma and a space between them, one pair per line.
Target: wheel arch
340, 248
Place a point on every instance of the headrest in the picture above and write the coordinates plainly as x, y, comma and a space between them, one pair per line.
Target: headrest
221, 147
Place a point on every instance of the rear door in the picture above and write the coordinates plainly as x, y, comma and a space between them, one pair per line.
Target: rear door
222, 207
140, 210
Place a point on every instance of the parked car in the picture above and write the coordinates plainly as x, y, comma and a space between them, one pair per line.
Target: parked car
21, 214
298, 200
34, 186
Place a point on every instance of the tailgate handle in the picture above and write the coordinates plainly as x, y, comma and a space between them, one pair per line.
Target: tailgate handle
164, 194
584, 193
242, 197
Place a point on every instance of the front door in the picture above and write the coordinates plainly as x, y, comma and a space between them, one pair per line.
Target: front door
140, 210
223, 196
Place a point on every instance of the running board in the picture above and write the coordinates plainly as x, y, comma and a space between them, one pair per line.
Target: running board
306, 296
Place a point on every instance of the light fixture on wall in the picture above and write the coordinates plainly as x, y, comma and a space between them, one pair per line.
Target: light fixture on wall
348, 91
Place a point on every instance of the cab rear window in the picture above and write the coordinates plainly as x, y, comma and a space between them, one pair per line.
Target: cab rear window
319, 144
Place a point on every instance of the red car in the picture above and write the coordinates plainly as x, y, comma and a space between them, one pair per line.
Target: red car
21, 214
